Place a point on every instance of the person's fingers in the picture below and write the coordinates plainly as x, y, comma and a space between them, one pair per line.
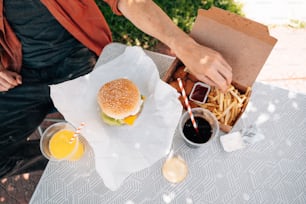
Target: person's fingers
212, 69
227, 75
224, 63
219, 58
15, 77
214, 77
12, 78
201, 76
8, 79
207, 80
223, 68
18, 79
220, 81
4, 86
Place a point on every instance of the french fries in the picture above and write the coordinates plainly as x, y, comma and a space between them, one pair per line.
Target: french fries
226, 106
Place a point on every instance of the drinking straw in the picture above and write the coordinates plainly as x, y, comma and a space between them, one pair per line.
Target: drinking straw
77, 132
187, 104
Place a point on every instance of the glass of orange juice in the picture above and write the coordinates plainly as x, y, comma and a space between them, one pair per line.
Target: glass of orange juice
59, 142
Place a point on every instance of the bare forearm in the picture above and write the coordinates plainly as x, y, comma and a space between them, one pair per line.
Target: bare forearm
150, 18
206, 64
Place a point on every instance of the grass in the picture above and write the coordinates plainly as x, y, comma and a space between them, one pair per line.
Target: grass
297, 23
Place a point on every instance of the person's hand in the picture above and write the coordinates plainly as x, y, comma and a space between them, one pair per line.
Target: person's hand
9, 80
208, 66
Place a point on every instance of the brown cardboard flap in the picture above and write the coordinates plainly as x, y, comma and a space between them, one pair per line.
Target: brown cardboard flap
245, 44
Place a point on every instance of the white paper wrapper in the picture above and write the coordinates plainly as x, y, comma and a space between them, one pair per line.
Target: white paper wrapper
120, 151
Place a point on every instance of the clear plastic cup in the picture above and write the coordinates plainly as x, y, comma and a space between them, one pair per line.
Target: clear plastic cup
174, 168
57, 143
187, 131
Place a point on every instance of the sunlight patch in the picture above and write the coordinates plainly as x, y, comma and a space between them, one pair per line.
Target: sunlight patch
262, 119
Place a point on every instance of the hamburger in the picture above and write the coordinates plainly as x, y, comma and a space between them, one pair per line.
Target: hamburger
120, 102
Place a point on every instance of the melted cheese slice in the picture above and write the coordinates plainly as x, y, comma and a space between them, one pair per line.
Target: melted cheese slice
130, 120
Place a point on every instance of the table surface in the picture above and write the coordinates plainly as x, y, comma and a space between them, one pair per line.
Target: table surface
270, 171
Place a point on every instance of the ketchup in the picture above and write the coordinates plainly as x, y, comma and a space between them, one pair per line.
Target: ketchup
199, 92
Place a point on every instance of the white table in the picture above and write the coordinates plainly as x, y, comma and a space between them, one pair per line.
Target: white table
270, 171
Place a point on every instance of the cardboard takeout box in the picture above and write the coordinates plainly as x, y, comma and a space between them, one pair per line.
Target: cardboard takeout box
245, 45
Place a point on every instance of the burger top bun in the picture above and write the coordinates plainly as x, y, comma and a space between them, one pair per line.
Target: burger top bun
119, 98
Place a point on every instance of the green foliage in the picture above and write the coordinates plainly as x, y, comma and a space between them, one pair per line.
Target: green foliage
297, 23
182, 13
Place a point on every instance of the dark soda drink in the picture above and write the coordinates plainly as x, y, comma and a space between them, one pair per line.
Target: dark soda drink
204, 130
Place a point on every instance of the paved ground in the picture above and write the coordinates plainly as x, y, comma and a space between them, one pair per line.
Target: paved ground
275, 12
286, 68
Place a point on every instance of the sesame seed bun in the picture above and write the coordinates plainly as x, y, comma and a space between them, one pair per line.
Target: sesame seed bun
119, 98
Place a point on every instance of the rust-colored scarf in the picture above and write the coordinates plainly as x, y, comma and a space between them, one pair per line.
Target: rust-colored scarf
11, 55
82, 18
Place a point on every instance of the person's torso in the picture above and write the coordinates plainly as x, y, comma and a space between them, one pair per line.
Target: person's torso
44, 41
